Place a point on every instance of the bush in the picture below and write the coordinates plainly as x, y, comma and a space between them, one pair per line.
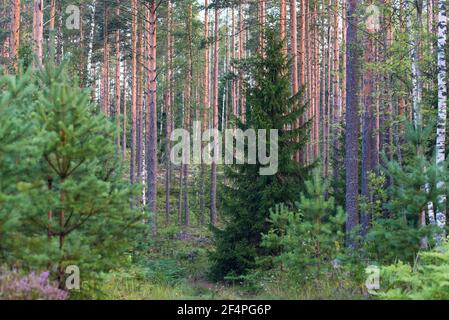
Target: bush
427, 279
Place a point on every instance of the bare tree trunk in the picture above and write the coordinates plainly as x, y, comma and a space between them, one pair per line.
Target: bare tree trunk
168, 120
15, 35
134, 6
117, 80
38, 31
151, 150
342, 109
105, 69
141, 62
316, 83
294, 58
90, 65
328, 98
336, 101
442, 114
188, 107
261, 21
125, 113
352, 124
282, 24
368, 125
213, 196
206, 105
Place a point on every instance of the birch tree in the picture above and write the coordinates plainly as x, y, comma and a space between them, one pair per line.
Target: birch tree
442, 111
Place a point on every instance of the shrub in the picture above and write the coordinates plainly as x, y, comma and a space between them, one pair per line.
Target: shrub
34, 286
427, 279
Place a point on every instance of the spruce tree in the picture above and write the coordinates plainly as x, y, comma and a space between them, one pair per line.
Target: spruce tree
247, 195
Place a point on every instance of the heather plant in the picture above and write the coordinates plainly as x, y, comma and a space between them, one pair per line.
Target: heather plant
34, 286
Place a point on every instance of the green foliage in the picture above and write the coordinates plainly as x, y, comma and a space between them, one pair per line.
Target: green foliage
401, 234
311, 237
20, 148
74, 205
427, 279
247, 195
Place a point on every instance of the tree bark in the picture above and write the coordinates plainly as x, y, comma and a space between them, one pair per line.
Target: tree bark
188, 107
352, 124
213, 196
15, 34
117, 80
151, 150
38, 31
206, 103
168, 120
442, 113
134, 5
105, 69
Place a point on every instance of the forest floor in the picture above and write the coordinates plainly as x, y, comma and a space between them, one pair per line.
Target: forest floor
176, 267
176, 264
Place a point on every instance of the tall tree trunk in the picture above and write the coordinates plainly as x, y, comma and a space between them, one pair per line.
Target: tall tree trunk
328, 96
105, 69
188, 107
125, 113
336, 98
132, 166
15, 35
141, 62
206, 103
151, 150
213, 189
282, 24
261, 21
5, 43
316, 82
38, 31
52, 27
294, 57
442, 112
368, 124
168, 106
81, 48
342, 109
352, 124
90, 65
117, 80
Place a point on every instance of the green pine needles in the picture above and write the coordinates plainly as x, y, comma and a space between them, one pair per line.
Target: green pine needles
65, 201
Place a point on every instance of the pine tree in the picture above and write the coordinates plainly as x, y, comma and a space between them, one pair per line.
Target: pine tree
73, 205
20, 148
248, 196
399, 236
309, 237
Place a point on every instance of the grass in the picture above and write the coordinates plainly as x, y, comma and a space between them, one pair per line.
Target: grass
176, 267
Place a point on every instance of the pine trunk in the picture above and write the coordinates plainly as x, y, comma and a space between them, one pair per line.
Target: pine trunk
151, 150
352, 124
213, 196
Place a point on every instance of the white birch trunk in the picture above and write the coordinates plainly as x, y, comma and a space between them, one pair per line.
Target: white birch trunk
91, 42
442, 97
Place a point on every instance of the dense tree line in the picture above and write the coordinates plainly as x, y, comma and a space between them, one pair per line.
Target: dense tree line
357, 90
